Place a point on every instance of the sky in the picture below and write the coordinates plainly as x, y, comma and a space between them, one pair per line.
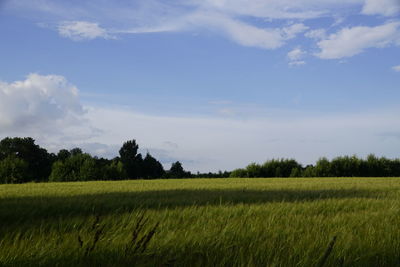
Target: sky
215, 84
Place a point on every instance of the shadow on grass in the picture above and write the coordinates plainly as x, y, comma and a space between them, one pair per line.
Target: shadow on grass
23, 210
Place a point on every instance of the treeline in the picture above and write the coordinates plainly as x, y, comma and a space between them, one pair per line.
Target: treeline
345, 166
21, 160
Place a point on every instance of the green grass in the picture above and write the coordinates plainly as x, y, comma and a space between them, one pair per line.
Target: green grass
202, 222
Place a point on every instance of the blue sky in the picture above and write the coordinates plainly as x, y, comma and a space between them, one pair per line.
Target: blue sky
215, 84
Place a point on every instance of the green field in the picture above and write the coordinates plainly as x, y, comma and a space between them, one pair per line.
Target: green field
202, 222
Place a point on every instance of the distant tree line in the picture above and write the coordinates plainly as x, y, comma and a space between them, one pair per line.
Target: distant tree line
345, 166
21, 160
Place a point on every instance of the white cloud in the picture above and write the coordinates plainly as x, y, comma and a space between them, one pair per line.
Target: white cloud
247, 23
296, 54
396, 68
41, 105
82, 30
237, 30
158, 9
352, 41
338, 20
232, 18
277, 9
294, 29
240, 32
295, 57
381, 7
297, 63
316, 34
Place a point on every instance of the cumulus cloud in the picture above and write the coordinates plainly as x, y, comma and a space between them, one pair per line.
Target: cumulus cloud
46, 107
381, 7
396, 68
354, 40
82, 30
38, 100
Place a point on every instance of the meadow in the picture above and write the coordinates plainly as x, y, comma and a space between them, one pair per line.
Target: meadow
202, 222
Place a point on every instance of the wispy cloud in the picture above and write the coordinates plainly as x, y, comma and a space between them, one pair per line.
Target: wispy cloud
295, 57
82, 30
259, 23
354, 40
316, 34
297, 63
396, 68
381, 7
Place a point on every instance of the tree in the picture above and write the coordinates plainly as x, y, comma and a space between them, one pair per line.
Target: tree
177, 171
238, 173
63, 154
76, 151
323, 168
151, 168
88, 170
130, 159
13, 170
254, 170
296, 172
113, 171
80, 167
37, 159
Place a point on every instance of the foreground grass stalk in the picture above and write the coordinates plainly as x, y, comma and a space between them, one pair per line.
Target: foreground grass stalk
327, 252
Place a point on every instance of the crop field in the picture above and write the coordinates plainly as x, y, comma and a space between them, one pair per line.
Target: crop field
202, 222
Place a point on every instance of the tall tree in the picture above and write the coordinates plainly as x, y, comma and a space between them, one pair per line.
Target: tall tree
151, 168
130, 159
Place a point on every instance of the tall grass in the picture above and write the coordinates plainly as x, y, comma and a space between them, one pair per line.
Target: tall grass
221, 222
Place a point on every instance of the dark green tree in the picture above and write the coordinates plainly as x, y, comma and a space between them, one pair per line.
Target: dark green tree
79, 167
323, 168
76, 151
63, 154
131, 160
177, 171
13, 170
38, 160
152, 168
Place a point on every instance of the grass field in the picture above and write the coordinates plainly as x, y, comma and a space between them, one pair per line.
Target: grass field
202, 222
